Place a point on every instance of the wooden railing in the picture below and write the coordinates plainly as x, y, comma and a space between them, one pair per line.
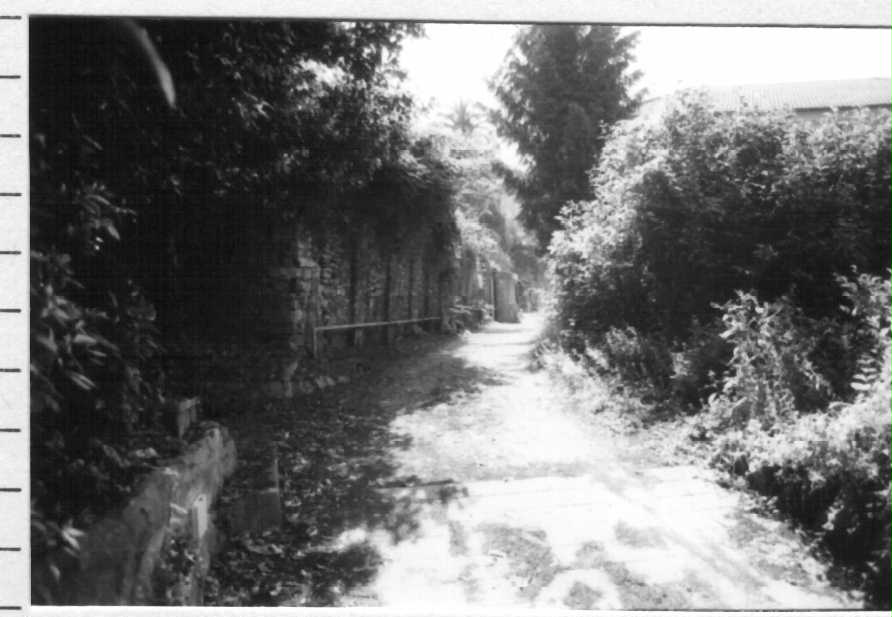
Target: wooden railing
356, 326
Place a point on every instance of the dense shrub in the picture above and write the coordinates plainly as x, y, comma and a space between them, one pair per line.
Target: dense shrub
829, 470
699, 365
697, 204
637, 359
771, 376
710, 266
94, 346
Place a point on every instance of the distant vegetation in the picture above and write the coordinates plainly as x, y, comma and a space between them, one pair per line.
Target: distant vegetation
736, 266
485, 208
560, 90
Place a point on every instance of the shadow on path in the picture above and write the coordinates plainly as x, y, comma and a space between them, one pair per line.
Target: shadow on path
337, 474
550, 514
454, 476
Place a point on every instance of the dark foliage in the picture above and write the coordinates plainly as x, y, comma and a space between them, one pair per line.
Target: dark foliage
825, 464
340, 482
699, 204
144, 213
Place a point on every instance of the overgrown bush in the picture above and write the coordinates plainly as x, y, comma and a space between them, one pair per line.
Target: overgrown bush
94, 376
829, 470
638, 359
771, 377
700, 364
715, 263
697, 204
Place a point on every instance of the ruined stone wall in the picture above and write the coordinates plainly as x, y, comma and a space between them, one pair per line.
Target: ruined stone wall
343, 277
474, 284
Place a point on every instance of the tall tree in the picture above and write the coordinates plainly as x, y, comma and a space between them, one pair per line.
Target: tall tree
464, 117
560, 89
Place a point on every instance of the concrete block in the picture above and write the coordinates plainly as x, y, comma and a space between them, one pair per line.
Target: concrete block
289, 369
261, 508
120, 553
505, 297
181, 414
199, 517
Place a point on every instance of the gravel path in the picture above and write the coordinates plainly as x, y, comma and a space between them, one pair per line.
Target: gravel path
520, 497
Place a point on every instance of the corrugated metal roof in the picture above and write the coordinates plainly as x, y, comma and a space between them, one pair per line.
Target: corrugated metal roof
799, 96
806, 94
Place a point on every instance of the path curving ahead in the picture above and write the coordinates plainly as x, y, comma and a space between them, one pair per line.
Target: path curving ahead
520, 498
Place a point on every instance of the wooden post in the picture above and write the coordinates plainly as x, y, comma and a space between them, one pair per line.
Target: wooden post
411, 284
353, 292
388, 290
425, 289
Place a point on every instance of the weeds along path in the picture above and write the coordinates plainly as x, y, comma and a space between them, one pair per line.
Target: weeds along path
476, 481
525, 500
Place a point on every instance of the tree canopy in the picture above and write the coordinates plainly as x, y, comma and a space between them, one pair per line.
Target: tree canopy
484, 207
560, 89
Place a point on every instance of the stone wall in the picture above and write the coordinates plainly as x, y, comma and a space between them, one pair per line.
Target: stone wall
128, 557
505, 297
474, 283
344, 277
481, 283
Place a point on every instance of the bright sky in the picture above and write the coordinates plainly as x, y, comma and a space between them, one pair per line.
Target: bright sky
673, 57
455, 60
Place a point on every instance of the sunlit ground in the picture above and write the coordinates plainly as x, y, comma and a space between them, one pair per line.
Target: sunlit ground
521, 498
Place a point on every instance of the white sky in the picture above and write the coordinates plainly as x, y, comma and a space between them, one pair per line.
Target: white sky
673, 57
455, 60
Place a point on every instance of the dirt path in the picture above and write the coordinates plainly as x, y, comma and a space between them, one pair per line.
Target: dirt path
447, 474
519, 499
